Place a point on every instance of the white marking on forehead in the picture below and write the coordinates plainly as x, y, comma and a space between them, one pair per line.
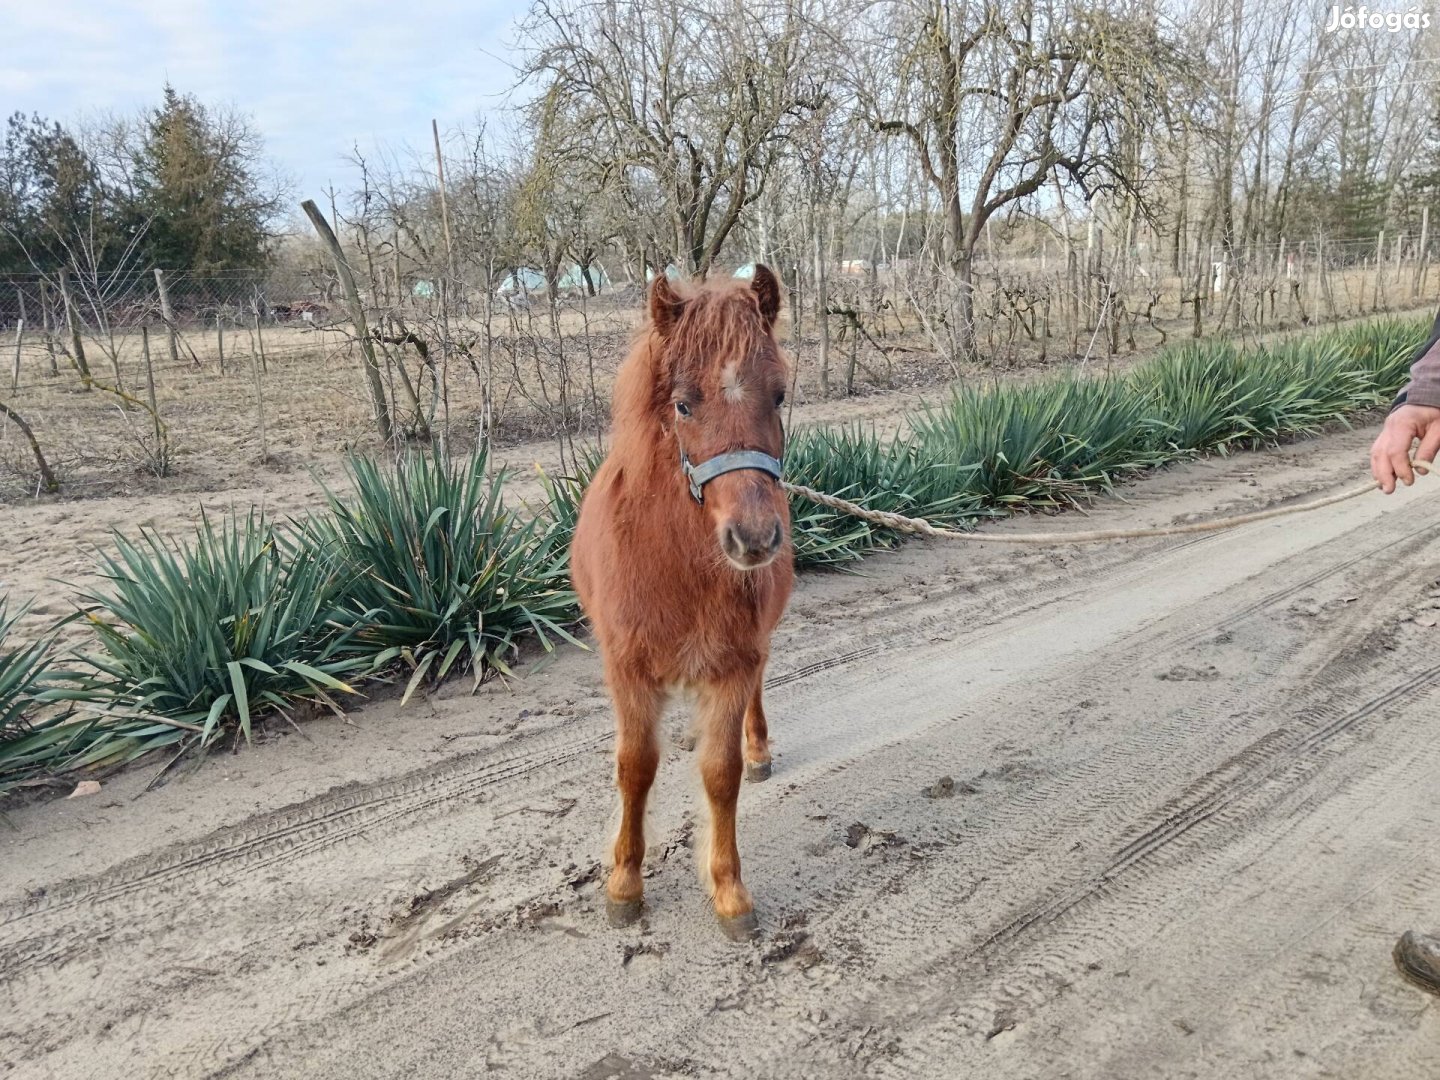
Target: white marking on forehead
730, 383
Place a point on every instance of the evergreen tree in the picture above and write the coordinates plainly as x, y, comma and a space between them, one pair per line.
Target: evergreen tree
198, 182
50, 197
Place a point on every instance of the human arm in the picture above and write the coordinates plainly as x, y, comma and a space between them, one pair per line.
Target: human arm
1415, 415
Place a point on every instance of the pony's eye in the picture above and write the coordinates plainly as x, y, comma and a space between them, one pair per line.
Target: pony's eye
780, 399
681, 409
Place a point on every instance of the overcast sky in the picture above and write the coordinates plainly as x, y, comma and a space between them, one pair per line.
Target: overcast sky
316, 75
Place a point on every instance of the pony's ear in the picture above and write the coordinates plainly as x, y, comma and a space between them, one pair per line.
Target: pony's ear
767, 292
666, 305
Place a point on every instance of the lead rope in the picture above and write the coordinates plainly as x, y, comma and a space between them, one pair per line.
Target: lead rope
920, 527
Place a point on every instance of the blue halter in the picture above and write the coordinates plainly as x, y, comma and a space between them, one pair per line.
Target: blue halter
720, 464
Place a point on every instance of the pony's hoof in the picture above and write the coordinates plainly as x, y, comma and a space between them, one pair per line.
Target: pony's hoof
741, 928
1418, 958
622, 913
757, 771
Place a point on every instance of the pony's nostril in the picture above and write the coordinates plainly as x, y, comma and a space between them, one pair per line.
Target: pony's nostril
733, 544
776, 538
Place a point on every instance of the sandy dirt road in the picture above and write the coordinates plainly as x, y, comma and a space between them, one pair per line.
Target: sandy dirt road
1193, 801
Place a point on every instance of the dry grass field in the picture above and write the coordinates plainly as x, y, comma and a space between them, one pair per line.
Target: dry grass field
315, 410
548, 380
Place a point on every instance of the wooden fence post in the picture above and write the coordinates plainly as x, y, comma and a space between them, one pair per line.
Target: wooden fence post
357, 316
220, 339
1072, 306
1301, 283
1423, 253
1377, 299
444, 202
19, 338
47, 326
259, 337
259, 398
168, 313
73, 322
1202, 278
15, 373
795, 313
150, 387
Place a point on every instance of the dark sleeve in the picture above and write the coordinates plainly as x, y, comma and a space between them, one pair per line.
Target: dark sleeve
1424, 385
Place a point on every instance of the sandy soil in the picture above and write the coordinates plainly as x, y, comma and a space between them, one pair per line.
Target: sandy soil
1191, 804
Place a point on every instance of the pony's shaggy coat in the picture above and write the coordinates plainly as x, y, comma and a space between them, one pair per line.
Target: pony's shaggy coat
684, 594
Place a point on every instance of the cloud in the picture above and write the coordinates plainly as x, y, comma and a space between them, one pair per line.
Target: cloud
318, 76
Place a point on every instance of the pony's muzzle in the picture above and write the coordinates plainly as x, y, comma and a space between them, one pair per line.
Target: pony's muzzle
751, 544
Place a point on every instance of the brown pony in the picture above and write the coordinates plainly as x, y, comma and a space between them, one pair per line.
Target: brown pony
682, 560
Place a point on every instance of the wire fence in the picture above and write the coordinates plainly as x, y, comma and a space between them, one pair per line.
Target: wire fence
136, 376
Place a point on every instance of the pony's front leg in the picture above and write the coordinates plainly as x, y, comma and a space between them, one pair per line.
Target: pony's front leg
638, 704
757, 738
723, 706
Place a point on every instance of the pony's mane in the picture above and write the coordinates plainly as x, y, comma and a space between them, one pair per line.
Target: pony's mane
720, 323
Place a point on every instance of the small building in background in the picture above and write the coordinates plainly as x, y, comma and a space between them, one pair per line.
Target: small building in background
573, 280
521, 282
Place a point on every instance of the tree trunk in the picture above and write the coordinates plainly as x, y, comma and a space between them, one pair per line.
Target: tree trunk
822, 299
47, 478
72, 321
357, 316
963, 306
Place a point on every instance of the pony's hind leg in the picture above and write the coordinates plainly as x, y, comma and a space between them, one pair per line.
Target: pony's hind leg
757, 738
723, 707
638, 704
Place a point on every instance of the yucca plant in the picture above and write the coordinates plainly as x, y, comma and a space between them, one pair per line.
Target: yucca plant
561, 510
22, 674
1382, 350
40, 733
1042, 443
424, 562
898, 475
436, 569
24, 667
1198, 395
201, 636
1310, 387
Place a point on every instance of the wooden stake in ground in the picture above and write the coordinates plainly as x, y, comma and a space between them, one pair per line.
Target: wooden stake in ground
444, 202
48, 326
1379, 298
1423, 254
259, 338
168, 313
795, 311
220, 339
19, 340
77, 345
357, 317
1072, 307
260, 397
822, 299
150, 387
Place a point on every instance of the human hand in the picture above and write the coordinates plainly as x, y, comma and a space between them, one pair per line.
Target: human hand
1390, 454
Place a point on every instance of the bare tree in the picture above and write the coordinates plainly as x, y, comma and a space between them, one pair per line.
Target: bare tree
998, 99
695, 101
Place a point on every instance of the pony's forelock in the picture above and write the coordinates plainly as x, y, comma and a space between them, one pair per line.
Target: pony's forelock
714, 324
